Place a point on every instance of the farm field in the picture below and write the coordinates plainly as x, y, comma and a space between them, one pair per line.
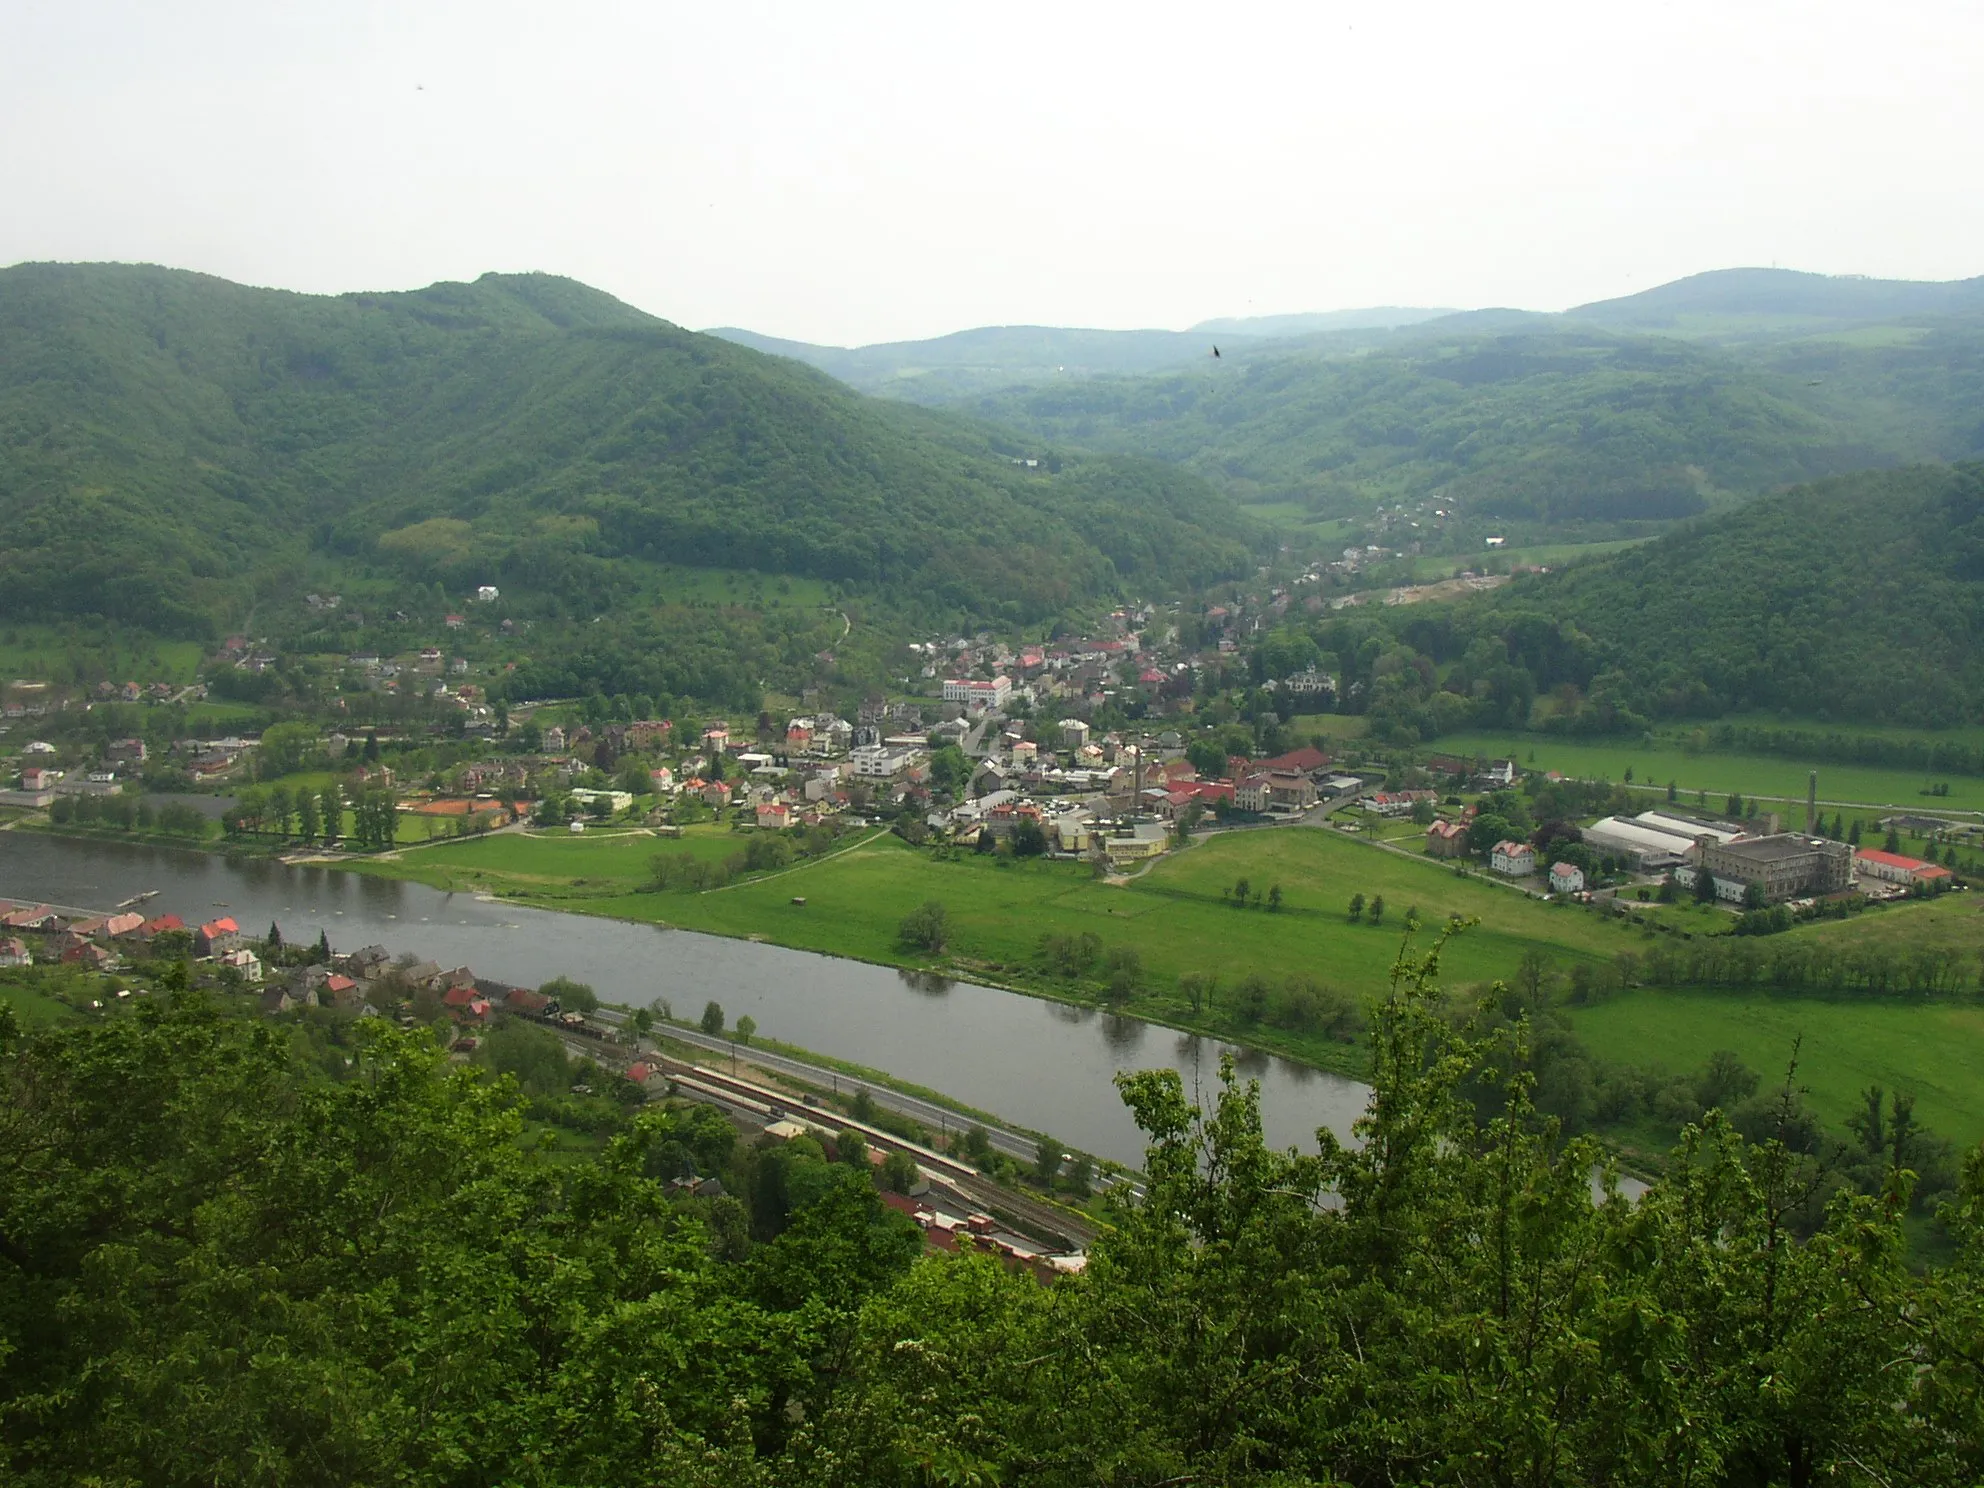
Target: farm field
602, 859
1440, 565
47, 653
999, 909
1719, 774
1933, 1050
1180, 919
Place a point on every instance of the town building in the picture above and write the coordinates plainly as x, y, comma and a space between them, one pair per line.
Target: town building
992, 693
1566, 878
1446, 839
1783, 865
1894, 868
1512, 859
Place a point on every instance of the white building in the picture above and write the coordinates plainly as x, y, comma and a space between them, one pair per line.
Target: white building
1513, 859
1640, 844
486, 594
1074, 733
985, 694
879, 762
1566, 878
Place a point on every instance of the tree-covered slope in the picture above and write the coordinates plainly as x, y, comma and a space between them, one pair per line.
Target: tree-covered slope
1548, 423
170, 443
1856, 599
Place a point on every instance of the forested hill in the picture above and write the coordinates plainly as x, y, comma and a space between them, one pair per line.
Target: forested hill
1856, 599
171, 444
1544, 421
1758, 302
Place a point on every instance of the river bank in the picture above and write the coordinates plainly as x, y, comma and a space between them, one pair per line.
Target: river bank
1039, 1065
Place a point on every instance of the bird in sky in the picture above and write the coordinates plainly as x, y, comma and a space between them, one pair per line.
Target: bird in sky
1215, 351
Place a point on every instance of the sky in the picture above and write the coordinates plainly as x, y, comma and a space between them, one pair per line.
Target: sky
849, 172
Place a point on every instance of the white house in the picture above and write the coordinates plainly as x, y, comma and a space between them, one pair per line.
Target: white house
1513, 859
987, 694
485, 593
1566, 878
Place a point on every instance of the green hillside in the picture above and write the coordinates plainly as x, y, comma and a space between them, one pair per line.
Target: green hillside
1742, 303
1522, 419
172, 445
1856, 599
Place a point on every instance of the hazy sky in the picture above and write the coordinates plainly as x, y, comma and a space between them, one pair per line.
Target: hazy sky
850, 172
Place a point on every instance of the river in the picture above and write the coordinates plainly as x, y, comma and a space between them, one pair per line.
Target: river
1037, 1064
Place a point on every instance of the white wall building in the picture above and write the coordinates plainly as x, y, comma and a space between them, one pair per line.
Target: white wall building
986, 694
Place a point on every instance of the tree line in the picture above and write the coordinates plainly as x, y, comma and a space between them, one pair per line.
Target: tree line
219, 1264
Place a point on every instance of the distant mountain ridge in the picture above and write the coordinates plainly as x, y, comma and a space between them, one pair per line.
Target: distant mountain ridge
1308, 323
172, 444
1784, 299
983, 359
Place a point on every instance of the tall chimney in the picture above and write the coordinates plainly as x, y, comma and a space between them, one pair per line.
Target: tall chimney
1812, 804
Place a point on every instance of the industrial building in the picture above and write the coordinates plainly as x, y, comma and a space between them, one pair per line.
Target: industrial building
1784, 865
1654, 839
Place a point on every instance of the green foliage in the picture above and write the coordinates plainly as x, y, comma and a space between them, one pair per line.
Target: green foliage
1853, 600
1556, 425
926, 928
219, 1266
571, 996
186, 445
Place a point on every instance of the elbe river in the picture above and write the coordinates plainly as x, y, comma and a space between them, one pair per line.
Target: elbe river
1036, 1064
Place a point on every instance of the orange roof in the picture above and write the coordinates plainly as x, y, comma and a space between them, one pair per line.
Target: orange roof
1894, 860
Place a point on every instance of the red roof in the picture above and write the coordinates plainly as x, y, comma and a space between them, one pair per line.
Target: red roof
459, 996
1890, 860
1298, 760
336, 983
164, 923
222, 926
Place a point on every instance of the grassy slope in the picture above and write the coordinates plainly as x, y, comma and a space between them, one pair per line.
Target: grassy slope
1934, 1050
1719, 773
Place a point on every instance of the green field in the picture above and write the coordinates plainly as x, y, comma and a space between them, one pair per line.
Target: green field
999, 909
1431, 566
1933, 1050
1719, 774
1178, 921
47, 653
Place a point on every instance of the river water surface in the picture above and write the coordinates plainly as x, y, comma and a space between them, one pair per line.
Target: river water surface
1037, 1064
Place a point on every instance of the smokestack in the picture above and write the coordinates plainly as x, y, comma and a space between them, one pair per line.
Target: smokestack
1812, 804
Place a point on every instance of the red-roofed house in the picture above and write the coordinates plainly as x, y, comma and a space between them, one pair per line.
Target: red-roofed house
90, 956
1894, 868
1446, 839
1566, 878
1305, 761
164, 924
1513, 859
774, 815
216, 936
15, 953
